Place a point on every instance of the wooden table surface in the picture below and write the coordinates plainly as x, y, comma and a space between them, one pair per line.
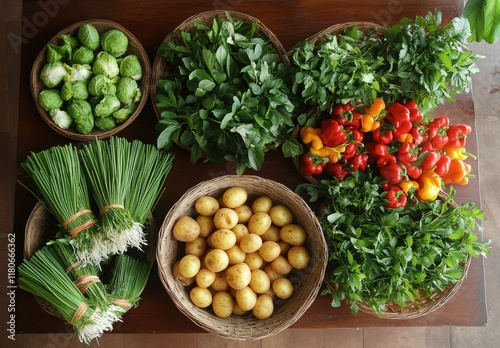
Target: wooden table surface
150, 21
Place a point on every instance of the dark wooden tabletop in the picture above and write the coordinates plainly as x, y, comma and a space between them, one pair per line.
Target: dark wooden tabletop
150, 21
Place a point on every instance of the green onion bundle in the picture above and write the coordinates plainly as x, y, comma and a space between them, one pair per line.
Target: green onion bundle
126, 179
128, 280
55, 177
45, 277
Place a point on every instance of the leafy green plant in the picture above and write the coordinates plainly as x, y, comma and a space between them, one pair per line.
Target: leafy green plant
379, 255
484, 19
226, 95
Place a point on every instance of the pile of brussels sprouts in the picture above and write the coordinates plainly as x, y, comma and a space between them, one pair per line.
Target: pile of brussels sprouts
90, 82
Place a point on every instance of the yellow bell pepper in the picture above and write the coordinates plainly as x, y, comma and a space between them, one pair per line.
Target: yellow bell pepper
429, 185
311, 135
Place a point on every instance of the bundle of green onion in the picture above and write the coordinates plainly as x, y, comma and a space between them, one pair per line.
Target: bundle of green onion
55, 177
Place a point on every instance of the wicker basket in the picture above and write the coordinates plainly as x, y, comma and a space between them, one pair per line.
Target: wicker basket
336, 29
134, 47
286, 312
41, 227
423, 305
161, 68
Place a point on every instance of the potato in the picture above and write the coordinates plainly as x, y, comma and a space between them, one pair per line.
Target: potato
264, 307
238, 276
223, 239
269, 250
246, 298
293, 234
186, 229
262, 204
250, 243
220, 282
240, 230
259, 282
225, 218
299, 257
237, 310
236, 255
216, 260
254, 260
283, 288
284, 246
234, 197
244, 212
206, 225
206, 205
272, 233
177, 275
259, 223
197, 247
281, 265
222, 304
273, 275
201, 297
281, 215
205, 278
189, 265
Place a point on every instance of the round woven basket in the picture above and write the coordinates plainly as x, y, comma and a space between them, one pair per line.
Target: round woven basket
321, 36
41, 227
306, 282
161, 68
421, 306
134, 47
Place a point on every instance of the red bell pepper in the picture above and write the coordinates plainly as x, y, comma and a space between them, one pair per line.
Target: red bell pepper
443, 165
419, 134
396, 197
385, 160
457, 135
392, 172
336, 170
333, 135
310, 166
357, 162
407, 153
399, 112
383, 136
377, 150
415, 116
412, 171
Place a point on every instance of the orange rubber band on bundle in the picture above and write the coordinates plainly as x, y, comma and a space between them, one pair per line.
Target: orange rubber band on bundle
88, 280
110, 206
79, 313
87, 224
121, 302
74, 216
76, 264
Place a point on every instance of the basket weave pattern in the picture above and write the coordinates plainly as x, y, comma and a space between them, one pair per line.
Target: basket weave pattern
286, 312
134, 47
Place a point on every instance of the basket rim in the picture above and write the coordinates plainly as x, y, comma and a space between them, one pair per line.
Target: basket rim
244, 328
159, 62
144, 83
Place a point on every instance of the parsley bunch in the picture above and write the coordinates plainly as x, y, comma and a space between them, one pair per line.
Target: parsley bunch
418, 59
379, 255
227, 95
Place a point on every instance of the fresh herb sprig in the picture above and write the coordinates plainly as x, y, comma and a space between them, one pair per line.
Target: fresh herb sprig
419, 59
227, 94
379, 255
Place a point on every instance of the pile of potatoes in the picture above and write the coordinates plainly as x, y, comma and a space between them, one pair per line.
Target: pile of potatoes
239, 254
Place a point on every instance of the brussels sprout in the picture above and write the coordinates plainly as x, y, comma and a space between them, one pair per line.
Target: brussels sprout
50, 99
77, 72
61, 118
105, 64
131, 67
70, 41
76, 89
52, 74
105, 123
96, 85
124, 113
88, 36
82, 55
85, 124
114, 42
78, 109
107, 105
56, 53
127, 90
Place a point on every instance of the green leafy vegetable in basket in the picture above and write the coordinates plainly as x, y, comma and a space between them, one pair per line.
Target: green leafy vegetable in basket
379, 255
418, 59
226, 94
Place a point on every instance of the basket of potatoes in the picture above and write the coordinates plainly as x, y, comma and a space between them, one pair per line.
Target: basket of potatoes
242, 256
